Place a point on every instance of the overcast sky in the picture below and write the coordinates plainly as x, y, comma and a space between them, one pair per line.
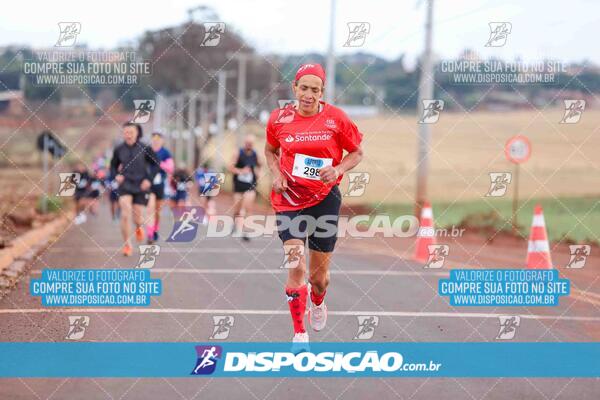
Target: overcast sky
564, 30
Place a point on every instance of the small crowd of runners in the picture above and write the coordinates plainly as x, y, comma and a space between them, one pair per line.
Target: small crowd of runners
309, 145
139, 179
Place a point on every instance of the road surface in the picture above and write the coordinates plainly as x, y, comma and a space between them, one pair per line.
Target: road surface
226, 276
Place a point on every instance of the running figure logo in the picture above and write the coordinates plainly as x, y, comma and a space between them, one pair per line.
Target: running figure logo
207, 359
357, 33
68, 183
366, 326
508, 327
212, 184
68, 34
287, 110
499, 184
223, 324
431, 111
573, 111
187, 220
292, 255
357, 183
579, 255
291, 297
499, 32
212, 33
437, 255
143, 109
77, 325
148, 254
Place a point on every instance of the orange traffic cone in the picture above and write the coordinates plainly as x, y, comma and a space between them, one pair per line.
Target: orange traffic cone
426, 234
538, 249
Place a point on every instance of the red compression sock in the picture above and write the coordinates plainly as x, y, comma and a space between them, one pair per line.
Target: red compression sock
316, 299
296, 298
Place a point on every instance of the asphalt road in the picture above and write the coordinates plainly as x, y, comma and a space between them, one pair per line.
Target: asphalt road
227, 276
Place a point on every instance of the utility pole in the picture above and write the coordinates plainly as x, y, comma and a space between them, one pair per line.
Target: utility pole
220, 161
425, 93
242, 59
179, 105
330, 83
191, 138
203, 134
274, 81
203, 127
45, 175
157, 116
168, 121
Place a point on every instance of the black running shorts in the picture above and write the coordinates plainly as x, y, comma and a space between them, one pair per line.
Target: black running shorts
158, 191
318, 222
140, 198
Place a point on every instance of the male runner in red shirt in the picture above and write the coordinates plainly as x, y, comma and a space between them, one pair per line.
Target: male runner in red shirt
305, 153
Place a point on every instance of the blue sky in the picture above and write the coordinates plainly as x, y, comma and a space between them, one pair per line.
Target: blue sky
540, 29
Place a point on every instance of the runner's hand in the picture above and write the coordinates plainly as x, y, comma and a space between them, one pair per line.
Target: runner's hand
145, 185
119, 178
329, 174
280, 184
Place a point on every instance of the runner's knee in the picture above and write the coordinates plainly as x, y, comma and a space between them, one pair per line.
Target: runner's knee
319, 280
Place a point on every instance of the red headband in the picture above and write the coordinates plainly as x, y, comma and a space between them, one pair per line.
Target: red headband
311, 69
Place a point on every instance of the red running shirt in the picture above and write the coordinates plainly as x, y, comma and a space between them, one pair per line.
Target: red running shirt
306, 145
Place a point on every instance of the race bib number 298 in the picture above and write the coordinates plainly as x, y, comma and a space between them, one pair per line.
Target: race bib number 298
309, 167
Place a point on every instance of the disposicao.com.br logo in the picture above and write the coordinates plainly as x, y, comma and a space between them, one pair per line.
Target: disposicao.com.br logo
278, 362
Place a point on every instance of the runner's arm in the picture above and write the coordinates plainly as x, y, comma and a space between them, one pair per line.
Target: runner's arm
114, 165
231, 167
350, 161
330, 174
272, 153
168, 165
258, 166
349, 139
279, 181
272, 159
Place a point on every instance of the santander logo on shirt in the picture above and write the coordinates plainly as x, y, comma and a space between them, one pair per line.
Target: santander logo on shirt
308, 137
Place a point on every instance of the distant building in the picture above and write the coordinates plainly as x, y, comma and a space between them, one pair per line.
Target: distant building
11, 93
11, 102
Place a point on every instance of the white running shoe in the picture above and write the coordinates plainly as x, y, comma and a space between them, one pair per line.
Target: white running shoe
300, 343
80, 219
317, 316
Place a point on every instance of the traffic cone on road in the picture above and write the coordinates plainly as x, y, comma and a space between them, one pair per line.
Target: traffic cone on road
538, 249
426, 233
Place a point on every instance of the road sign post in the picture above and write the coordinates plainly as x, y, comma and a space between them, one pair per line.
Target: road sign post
517, 150
48, 144
45, 175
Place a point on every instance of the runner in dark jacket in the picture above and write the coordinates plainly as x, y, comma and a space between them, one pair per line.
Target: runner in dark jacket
134, 164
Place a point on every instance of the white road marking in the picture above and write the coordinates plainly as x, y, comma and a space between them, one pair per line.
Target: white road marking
164, 249
234, 271
286, 313
579, 295
200, 250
